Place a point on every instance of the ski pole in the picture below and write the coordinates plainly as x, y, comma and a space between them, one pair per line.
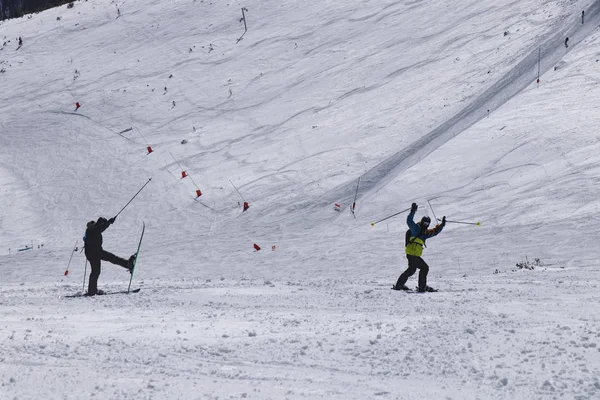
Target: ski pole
462, 222
137, 253
133, 197
431, 210
84, 273
393, 215
70, 258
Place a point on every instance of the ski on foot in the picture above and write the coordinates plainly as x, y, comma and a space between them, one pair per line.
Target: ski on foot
102, 293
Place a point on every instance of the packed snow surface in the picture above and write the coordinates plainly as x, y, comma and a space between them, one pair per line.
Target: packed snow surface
433, 102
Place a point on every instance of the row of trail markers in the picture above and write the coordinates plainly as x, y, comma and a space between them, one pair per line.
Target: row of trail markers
186, 174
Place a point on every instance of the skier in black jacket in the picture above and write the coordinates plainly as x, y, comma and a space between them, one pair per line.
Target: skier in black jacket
95, 253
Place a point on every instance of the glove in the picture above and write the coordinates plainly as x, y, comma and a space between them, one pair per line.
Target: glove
443, 221
112, 220
413, 208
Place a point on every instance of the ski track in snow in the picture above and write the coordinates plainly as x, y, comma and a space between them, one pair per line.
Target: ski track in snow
312, 98
307, 339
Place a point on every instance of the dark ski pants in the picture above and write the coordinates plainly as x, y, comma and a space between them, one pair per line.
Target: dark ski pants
414, 263
94, 259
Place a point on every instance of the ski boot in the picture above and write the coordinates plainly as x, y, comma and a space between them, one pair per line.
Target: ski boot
426, 289
403, 287
98, 292
131, 263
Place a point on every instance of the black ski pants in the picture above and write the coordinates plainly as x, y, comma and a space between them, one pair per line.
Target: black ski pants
414, 263
94, 257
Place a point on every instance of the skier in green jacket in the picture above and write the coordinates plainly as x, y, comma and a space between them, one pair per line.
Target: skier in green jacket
416, 236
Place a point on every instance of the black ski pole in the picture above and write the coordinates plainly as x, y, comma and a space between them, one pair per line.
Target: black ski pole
84, 273
393, 215
462, 222
133, 197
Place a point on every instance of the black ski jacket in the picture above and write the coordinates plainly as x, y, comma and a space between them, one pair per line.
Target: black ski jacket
93, 236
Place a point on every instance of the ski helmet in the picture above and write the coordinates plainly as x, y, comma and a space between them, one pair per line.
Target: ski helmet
90, 224
425, 221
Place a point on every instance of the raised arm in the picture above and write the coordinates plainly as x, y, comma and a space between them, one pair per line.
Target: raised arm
414, 228
102, 224
429, 233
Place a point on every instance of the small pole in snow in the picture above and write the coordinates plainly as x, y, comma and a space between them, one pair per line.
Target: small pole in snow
246, 205
183, 172
149, 148
70, 258
245, 26
244, 18
236, 189
355, 196
198, 191
539, 64
582, 17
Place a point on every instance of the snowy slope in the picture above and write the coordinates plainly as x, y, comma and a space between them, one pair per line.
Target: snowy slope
314, 97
